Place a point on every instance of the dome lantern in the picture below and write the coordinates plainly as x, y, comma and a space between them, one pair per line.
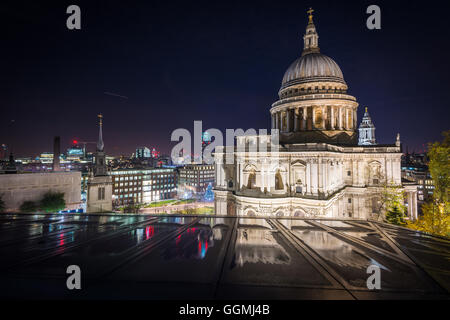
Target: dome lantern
311, 38
313, 67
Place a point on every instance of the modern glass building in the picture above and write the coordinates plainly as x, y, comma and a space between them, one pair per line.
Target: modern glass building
134, 186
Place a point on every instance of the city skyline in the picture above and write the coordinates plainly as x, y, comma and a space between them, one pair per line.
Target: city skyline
257, 151
152, 69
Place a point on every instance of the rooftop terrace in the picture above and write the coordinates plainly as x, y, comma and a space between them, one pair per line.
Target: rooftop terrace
184, 257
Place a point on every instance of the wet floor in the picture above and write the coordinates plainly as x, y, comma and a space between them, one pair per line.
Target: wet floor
181, 257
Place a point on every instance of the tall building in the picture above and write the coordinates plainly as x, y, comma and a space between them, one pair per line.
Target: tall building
195, 178
143, 153
367, 131
136, 186
11, 167
56, 154
415, 170
318, 170
3, 151
99, 186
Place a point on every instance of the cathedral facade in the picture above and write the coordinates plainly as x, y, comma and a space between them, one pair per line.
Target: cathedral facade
321, 168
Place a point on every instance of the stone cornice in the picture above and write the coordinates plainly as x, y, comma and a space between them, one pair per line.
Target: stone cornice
315, 99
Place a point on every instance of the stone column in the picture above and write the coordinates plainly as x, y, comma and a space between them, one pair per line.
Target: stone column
295, 120
314, 177
288, 120
324, 123
263, 175
415, 206
355, 119
332, 118
305, 117
320, 175
308, 177
354, 172
410, 206
340, 117
273, 121
313, 118
344, 119
277, 120
241, 176
216, 176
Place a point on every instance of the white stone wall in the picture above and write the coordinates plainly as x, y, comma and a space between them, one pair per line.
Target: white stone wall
18, 188
94, 204
317, 180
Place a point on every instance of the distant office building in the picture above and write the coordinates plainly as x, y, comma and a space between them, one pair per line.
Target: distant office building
155, 153
415, 170
75, 154
135, 186
143, 153
206, 140
56, 154
196, 177
3, 152
46, 158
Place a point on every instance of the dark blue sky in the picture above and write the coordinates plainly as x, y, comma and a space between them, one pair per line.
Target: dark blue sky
220, 62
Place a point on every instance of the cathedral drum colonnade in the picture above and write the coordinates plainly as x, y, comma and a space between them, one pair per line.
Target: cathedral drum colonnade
321, 167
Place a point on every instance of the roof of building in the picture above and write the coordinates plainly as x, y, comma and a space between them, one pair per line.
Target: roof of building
312, 66
211, 257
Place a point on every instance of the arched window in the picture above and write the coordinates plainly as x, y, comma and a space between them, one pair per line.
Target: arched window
278, 181
251, 184
251, 213
299, 214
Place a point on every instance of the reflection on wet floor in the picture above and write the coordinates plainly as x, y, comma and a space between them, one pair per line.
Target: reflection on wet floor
258, 246
261, 256
219, 256
350, 259
193, 256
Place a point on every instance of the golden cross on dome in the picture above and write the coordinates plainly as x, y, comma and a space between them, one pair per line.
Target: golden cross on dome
310, 14
367, 109
100, 117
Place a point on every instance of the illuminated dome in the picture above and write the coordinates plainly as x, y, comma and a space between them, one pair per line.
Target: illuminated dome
313, 67
313, 105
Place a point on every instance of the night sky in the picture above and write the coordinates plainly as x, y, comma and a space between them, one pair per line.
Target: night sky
168, 63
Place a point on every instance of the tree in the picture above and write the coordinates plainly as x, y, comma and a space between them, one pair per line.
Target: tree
435, 219
2, 204
29, 206
209, 194
396, 216
436, 212
53, 202
439, 166
392, 204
